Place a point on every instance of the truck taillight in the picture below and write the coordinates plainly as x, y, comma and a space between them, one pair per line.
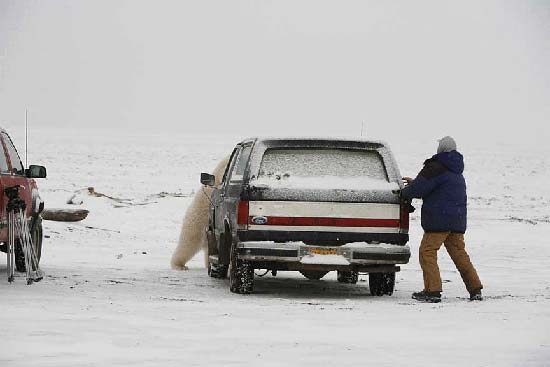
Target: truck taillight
404, 217
242, 214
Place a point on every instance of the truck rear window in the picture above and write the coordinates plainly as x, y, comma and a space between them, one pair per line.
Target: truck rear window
335, 164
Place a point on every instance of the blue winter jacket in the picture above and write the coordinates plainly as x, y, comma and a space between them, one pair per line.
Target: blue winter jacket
442, 187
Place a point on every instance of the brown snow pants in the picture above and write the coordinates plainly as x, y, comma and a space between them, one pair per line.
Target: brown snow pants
454, 243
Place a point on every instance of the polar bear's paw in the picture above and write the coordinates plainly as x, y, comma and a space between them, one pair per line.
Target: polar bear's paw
179, 267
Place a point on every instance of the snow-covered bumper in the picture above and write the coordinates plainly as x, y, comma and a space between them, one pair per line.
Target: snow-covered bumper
359, 253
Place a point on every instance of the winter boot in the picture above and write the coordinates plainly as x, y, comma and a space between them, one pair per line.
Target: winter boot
429, 297
476, 295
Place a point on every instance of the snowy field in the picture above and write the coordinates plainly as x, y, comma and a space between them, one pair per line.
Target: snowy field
109, 297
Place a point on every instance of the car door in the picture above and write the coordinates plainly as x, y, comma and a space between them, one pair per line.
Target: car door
219, 195
231, 188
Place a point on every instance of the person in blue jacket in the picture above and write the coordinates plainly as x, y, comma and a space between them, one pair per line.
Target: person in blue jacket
442, 188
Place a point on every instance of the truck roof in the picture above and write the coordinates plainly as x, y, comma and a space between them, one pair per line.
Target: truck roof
329, 141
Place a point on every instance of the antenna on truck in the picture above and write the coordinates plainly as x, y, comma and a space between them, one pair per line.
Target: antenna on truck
26, 138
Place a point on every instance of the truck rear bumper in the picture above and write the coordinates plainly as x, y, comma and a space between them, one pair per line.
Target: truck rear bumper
352, 254
318, 237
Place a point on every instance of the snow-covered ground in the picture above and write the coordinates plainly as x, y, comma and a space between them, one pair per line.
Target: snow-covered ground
110, 298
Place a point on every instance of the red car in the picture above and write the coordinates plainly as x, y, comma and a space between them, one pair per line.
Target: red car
13, 173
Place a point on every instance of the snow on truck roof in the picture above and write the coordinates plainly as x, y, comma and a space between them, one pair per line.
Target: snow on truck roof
316, 139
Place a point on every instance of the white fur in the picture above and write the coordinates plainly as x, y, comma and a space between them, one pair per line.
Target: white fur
193, 230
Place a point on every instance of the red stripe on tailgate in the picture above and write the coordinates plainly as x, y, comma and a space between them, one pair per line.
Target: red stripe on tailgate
330, 222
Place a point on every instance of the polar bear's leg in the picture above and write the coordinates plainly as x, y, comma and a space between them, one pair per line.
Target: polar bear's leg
205, 249
192, 234
193, 230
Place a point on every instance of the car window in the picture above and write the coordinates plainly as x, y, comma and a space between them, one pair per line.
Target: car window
322, 163
240, 165
16, 164
230, 164
3, 161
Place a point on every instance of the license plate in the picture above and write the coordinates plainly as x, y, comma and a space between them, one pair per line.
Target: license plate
322, 251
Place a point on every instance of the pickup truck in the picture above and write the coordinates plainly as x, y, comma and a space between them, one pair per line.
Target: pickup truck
12, 174
308, 205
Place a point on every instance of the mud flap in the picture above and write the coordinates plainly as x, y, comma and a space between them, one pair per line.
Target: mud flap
211, 240
224, 251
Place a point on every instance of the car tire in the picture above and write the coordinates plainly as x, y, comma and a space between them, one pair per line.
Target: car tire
37, 236
241, 274
381, 284
313, 274
348, 277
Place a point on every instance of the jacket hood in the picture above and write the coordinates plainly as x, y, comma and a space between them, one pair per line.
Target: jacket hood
453, 160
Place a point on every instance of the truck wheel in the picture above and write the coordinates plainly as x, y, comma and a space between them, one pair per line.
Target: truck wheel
313, 274
241, 274
381, 283
217, 271
349, 277
37, 242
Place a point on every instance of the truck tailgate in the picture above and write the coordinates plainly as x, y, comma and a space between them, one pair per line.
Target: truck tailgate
332, 217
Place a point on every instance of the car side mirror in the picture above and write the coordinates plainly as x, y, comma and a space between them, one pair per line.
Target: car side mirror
208, 180
35, 171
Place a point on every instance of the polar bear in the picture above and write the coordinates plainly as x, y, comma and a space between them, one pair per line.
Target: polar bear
193, 230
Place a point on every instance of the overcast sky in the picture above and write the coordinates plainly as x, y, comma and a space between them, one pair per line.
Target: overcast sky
411, 68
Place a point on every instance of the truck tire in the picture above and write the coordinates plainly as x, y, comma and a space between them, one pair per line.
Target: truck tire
37, 235
313, 274
241, 274
381, 284
217, 271
349, 277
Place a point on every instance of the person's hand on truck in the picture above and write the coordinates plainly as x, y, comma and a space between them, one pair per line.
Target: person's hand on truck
407, 180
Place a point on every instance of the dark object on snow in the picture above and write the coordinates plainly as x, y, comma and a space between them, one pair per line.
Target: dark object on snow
429, 297
65, 215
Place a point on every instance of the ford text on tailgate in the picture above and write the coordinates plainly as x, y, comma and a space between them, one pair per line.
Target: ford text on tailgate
308, 205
